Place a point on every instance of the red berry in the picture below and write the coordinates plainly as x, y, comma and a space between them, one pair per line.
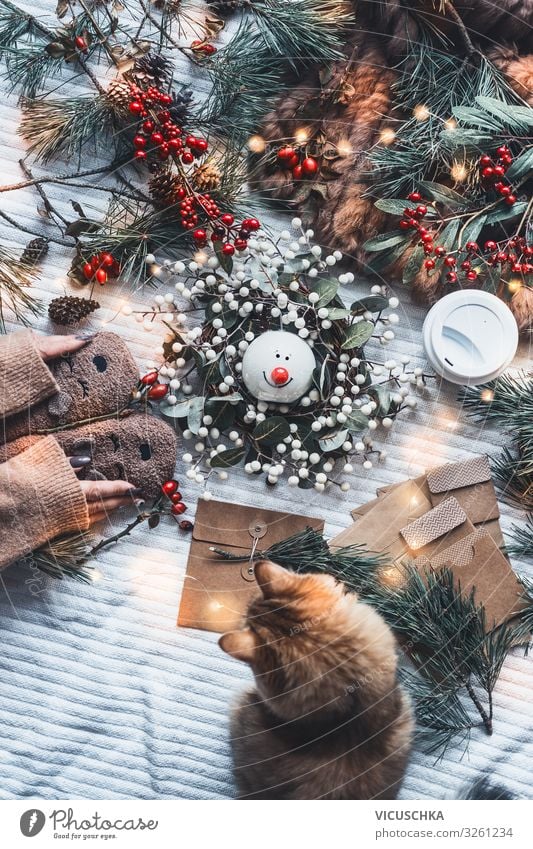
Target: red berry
414, 196
487, 172
421, 211
170, 487
156, 137
499, 170
107, 260
149, 379
199, 235
80, 43
472, 247
440, 251
135, 107
252, 224
227, 219
87, 270
185, 525
501, 257
292, 161
228, 249
510, 199
429, 264
484, 160
178, 509
471, 276
140, 154
427, 237
201, 145
404, 224
209, 49
139, 142
449, 261
286, 152
504, 191
241, 244
187, 157
148, 126
451, 277
176, 497
297, 172
503, 150
101, 276
466, 265
490, 245
158, 391
309, 166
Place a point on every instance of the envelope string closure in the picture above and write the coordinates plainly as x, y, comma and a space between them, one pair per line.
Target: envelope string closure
257, 531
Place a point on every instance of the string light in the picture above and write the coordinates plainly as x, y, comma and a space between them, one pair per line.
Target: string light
514, 285
344, 148
301, 136
487, 395
421, 112
387, 136
458, 172
450, 124
256, 144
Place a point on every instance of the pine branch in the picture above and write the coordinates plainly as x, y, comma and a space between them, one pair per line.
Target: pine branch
15, 277
521, 545
64, 557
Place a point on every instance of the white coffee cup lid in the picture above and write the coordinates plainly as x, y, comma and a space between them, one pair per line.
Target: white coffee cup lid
470, 337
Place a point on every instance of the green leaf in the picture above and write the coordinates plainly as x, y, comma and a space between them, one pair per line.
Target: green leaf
321, 378
336, 313
333, 441
413, 265
381, 261
442, 194
448, 236
196, 410
521, 167
175, 411
273, 430
357, 335
396, 206
225, 261
505, 213
327, 289
382, 396
472, 229
514, 117
356, 421
223, 415
386, 240
231, 457
471, 115
373, 303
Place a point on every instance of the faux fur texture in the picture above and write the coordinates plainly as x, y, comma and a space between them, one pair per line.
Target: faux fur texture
140, 449
94, 381
327, 718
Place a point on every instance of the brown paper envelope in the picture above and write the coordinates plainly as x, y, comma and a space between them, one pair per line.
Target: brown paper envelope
470, 482
477, 563
216, 593
379, 528
384, 490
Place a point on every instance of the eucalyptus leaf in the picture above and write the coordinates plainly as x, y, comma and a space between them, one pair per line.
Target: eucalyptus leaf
223, 415
231, 457
382, 396
356, 421
386, 240
372, 303
506, 213
175, 411
272, 430
521, 167
413, 265
333, 441
443, 194
337, 313
196, 411
357, 335
326, 289
225, 261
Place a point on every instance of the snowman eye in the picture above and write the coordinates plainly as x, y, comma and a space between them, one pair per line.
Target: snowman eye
287, 358
278, 356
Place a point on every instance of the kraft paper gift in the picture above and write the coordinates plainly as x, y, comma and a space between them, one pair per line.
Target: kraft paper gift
217, 592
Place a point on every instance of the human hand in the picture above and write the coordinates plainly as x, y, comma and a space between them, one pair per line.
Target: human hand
104, 496
50, 347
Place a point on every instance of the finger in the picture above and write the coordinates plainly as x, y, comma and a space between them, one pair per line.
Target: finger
78, 463
96, 490
51, 347
94, 518
108, 504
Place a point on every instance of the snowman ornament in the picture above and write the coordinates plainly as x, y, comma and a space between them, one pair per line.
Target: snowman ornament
278, 367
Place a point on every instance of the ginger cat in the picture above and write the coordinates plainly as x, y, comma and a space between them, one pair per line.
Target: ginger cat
327, 718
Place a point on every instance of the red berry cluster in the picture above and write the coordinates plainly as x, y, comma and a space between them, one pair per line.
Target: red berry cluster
492, 172
158, 133
235, 237
154, 390
203, 47
191, 205
413, 218
295, 160
515, 253
101, 267
171, 489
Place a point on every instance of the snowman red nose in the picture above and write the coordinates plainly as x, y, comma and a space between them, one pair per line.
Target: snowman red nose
279, 376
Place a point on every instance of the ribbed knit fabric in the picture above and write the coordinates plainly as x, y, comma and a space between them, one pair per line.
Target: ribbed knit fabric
40, 498
25, 380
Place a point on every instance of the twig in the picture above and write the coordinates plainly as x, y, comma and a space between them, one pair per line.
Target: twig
62, 178
487, 720
141, 517
47, 203
100, 34
18, 226
454, 14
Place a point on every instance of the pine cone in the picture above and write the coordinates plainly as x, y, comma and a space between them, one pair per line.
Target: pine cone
180, 106
163, 187
226, 7
69, 309
153, 68
119, 94
206, 177
35, 251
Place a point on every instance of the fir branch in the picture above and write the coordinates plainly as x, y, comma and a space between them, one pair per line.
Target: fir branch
521, 545
64, 556
15, 277
28, 67
513, 475
53, 127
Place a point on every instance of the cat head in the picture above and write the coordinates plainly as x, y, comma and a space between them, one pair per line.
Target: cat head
308, 641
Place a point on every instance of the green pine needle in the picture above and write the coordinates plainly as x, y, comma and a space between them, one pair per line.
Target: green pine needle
62, 127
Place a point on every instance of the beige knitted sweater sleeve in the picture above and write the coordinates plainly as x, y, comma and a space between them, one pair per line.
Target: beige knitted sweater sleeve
40, 495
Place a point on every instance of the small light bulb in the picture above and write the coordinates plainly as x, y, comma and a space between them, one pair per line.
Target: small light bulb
301, 136
514, 285
256, 144
487, 395
450, 124
458, 172
387, 136
421, 112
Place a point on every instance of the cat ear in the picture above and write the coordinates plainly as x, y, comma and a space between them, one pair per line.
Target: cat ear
273, 579
239, 644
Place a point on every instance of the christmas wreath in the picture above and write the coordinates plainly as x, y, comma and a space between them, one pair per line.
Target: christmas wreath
279, 373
